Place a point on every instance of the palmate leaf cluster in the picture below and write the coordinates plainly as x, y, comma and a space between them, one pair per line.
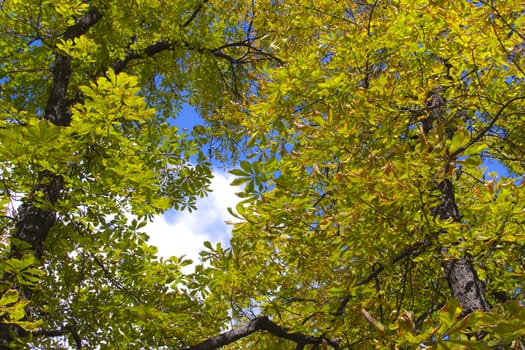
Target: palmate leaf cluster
118, 73
357, 119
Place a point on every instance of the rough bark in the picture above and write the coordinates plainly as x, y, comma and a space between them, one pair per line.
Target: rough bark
33, 221
461, 275
35, 216
465, 285
262, 323
57, 106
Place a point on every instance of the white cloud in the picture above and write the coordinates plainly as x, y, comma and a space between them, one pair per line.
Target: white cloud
183, 233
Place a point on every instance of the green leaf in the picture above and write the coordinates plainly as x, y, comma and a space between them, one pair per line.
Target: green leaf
475, 149
239, 181
373, 322
9, 297
246, 166
239, 172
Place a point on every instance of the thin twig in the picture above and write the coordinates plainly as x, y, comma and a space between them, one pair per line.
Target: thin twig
194, 14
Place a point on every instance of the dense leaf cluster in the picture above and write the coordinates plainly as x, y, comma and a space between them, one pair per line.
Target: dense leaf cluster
370, 215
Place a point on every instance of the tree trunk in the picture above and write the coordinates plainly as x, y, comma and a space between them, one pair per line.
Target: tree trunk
461, 276
34, 219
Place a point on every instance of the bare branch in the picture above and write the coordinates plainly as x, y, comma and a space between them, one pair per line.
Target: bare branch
194, 14
413, 251
149, 51
485, 130
59, 333
160, 46
114, 281
430, 311
262, 323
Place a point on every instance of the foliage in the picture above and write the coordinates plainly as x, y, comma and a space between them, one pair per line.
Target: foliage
369, 128
379, 105
90, 91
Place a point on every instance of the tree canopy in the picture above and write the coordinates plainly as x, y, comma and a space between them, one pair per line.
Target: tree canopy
366, 135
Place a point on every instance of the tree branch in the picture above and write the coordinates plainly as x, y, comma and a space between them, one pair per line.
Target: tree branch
82, 24
57, 106
114, 281
194, 14
262, 323
485, 130
149, 51
462, 278
59, 333
218, 52
33, 222
414, 250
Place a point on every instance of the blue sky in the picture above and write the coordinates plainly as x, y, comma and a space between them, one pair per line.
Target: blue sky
183, 233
